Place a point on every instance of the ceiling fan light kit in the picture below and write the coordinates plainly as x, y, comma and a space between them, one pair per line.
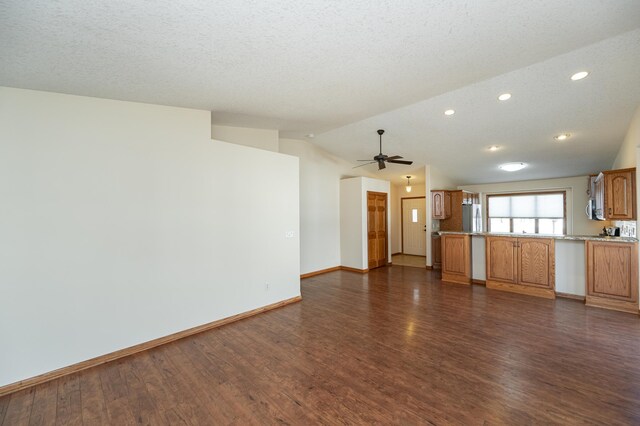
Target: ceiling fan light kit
381, 158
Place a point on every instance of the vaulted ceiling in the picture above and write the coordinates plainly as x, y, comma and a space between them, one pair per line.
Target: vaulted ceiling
341, 70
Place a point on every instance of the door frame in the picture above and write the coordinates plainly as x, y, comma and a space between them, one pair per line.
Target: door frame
386, 226
402, 221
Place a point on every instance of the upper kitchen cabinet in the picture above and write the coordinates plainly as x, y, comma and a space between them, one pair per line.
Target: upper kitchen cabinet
619, 194
461, 212
440, 204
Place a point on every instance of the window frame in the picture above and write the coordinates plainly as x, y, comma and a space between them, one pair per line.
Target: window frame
537, 227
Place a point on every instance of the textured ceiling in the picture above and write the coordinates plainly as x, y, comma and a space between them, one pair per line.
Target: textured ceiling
596, 111
317, 66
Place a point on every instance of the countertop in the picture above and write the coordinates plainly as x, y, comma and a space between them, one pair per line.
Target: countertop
556, 237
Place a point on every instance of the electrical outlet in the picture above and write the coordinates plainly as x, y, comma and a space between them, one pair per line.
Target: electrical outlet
289, 234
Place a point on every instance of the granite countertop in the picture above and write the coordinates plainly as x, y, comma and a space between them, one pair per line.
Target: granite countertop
556, 237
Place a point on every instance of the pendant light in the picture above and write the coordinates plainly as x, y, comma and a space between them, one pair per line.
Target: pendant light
408, 187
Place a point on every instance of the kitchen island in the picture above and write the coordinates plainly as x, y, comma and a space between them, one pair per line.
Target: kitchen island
603, 271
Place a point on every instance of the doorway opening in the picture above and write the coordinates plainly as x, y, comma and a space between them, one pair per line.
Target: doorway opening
413, 223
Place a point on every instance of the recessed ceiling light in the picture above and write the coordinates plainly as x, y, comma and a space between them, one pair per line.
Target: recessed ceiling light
504, 97
311, 135
512, 167
494, 148
449, 112
562, 136
579, 75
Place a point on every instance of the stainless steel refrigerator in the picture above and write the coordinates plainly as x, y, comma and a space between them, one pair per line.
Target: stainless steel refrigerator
471, 218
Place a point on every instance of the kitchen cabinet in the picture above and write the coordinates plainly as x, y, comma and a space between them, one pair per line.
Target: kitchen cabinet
436, 252
521, 265
612, 275
456, 258
619, 194
457, 199
440, 204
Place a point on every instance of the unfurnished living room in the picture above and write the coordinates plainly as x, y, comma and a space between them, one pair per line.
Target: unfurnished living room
319, 212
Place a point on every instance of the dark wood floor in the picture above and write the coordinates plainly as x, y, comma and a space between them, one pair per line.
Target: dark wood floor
394, 346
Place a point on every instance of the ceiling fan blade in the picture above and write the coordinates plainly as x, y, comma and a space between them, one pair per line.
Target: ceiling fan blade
381, 165
401, 162
395, 157
364, 160
371, 162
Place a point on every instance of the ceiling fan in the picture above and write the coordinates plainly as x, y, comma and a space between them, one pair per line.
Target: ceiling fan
382, 158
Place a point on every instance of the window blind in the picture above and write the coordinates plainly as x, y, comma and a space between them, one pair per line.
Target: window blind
527, 206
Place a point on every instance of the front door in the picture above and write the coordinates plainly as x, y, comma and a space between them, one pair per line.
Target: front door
377, 228
414, 222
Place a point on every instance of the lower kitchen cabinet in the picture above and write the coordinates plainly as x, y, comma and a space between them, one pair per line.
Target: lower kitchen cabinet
521, 265
436, 252
456, 258
612, 275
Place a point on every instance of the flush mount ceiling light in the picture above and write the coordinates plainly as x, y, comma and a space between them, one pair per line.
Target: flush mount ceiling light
512, 167
408, 187
579, 75
562, 136
494, 148
310, 135
449, 112
504, 97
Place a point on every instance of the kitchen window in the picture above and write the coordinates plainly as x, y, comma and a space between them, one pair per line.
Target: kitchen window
529, 213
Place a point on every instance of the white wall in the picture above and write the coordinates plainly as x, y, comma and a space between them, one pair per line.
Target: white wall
626, 157
122, 222
576, 188
478, 258
320, 174
351, 223
257, 138
570, 267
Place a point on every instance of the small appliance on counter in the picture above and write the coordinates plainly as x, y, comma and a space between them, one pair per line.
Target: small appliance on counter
611, 231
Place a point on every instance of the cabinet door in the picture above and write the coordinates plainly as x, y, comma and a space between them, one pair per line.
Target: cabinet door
612, 271
436, 252
501, 258
536, 262
438, 205
619, 194
456, 258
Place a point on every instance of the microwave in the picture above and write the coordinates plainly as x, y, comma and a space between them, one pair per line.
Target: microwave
595, 205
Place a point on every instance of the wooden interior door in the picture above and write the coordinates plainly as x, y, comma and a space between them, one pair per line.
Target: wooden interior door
377, 229
414, 223
502, 262
536, 262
